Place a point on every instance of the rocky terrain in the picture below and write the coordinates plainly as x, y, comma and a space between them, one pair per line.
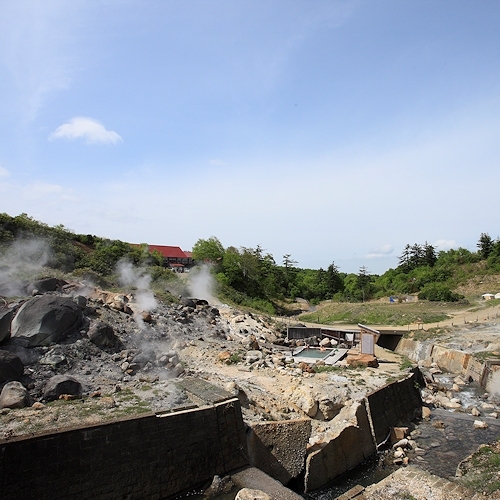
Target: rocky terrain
73, 354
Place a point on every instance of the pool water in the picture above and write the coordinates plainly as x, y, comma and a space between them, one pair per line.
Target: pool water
313, 353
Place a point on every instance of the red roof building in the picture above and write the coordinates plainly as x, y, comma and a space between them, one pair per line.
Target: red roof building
173, 256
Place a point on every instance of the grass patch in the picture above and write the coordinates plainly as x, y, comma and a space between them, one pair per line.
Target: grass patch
484, 355
482, 470
406, 363
379, 313
429, 334
327, 368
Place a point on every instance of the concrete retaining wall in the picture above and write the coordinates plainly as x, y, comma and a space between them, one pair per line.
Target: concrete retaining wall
451, 360
394, 405
279, 448
149, 457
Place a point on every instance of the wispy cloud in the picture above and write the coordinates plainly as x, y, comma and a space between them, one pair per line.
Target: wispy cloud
47, 191
88, 129
445, 244
4, 172
37, 51
218, 163
383, 251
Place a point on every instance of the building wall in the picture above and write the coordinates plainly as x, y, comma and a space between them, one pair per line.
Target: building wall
150, 457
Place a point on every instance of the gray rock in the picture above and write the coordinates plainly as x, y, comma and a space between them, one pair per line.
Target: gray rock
250, 494
102, 335
253, 356
144, 357
11, 367
6, 316
45, 285
62, 384
54, 360
14, 395
45, 319
27, 356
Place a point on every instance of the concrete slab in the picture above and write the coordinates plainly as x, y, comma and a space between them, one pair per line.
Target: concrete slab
255, 479
202, 392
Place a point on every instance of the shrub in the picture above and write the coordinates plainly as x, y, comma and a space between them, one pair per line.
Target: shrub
438, 292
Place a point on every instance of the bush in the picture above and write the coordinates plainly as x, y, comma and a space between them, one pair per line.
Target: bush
439, 292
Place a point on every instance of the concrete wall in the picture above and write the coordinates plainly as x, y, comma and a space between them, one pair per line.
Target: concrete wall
453, 361
149, 457
279, 448
393, 405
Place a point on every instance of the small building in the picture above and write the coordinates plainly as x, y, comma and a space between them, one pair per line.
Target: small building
369, 337
173, 257
488, 296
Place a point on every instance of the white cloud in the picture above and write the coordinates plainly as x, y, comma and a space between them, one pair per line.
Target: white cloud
81, 127
4, 172
218, 163
48, 192
383, 251
445, 245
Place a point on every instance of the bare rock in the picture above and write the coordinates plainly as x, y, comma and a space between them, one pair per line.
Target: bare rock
479, 424
102, 335
253, 356
14, 395
62, 384
45, 285
6, 316
366, 360
426, 412
45, 319
249, 494
219, 486
11, 367
475, 412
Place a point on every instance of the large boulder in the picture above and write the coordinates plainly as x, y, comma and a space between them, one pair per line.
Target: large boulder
45, 285
14, 395
11, 367
62, 384
45, 319
6, 316
102, 335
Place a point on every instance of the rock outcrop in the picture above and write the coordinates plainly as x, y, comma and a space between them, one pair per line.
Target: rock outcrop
45, 319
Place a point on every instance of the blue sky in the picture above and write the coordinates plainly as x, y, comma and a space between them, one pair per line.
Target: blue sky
328, 130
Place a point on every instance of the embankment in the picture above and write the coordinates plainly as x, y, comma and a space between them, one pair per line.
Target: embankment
147, 457
363, 426
160, 455
486, 373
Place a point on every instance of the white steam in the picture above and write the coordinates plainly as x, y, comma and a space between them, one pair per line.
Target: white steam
201, 283
138, 278
20, 263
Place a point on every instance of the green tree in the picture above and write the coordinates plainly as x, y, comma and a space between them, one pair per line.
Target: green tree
485, 245
210, 250
334, 281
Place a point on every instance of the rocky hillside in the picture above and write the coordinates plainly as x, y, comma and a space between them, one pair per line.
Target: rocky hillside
74, 354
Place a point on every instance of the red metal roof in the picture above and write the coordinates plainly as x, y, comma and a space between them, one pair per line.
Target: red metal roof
169, 252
